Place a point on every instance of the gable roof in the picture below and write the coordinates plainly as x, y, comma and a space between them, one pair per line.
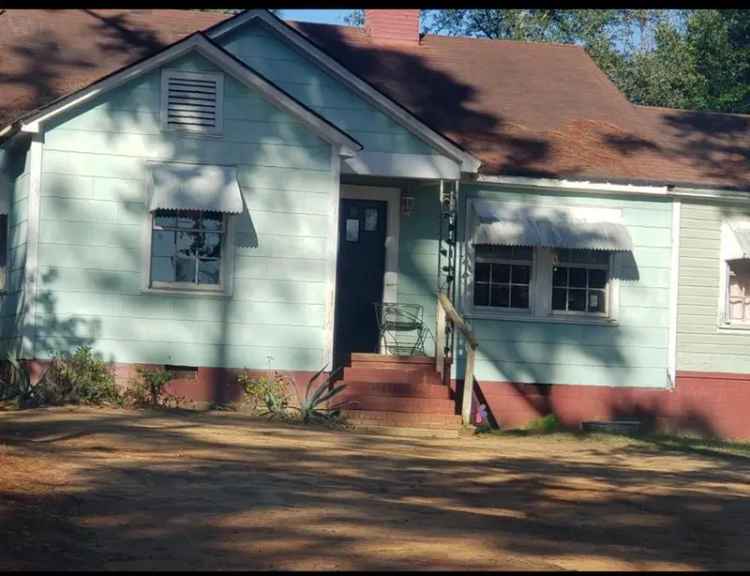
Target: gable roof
218, 56
523, 109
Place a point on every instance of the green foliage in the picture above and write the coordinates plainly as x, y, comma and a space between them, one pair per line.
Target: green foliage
314, 406
81, 378
544, 425
16, 385
148, 388
266, 394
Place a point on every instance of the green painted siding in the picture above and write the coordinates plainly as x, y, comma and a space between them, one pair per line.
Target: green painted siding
701, 344
632, 353
14, 171
93, 214
266, 52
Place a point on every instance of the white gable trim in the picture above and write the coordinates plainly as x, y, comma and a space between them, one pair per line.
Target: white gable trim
347, 146
468, 162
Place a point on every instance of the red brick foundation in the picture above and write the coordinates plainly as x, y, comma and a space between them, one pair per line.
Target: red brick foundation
708, 403
207, 386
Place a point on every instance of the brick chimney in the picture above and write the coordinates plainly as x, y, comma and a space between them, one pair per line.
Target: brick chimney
393, 25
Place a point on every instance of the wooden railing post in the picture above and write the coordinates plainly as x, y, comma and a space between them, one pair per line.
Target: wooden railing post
468, 385
440, 341
470, 345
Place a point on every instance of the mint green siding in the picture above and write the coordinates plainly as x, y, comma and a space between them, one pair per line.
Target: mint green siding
701, 344
266, 52
93, 215
631, 353
14, 172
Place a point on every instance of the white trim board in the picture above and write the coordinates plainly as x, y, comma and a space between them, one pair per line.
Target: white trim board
674, 293
347, 146
468, 162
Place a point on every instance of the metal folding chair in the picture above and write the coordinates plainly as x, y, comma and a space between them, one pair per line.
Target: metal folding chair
401, 328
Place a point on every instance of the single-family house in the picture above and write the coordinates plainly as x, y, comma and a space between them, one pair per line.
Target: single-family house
184, 189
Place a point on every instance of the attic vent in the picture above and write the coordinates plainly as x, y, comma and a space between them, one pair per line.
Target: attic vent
191, 101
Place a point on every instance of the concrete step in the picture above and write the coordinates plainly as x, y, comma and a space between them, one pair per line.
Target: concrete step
409, 420
416, 406
391, 375
403, 431
397, 389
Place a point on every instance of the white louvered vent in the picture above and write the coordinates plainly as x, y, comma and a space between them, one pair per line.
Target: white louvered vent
192, 101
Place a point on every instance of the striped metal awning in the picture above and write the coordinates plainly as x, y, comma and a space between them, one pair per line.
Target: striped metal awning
741, 231
194, 187
501, 224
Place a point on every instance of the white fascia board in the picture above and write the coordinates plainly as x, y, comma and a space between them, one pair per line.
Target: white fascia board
214, 54
469, 164
720, 195
575, 185
402, 166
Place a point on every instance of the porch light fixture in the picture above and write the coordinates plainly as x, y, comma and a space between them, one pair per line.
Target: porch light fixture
407, 204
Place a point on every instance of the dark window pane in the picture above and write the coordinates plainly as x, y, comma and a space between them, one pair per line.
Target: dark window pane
558, 298
211, 245
560, 276
163, 243
501, 273
597, 301
577, 277
500, 296
521, 274
597, 278
185, 270
188, 219
187, 243
577, 300
208, 271
166, 218
212, 220
482, 272
481, 295
519, 296
162, 269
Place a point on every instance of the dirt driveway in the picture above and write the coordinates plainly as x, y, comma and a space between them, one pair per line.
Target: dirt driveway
117, 489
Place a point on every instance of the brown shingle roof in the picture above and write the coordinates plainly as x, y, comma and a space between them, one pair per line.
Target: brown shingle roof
523, 108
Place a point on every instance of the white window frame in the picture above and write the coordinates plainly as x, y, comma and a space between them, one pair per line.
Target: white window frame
495, 310
226, 270
728, 246
540, 290
587, 266
168, 74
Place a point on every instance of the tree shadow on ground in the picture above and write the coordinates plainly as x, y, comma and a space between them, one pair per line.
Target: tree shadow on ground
153, 491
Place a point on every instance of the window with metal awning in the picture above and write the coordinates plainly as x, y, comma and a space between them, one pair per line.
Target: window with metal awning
565, 270
189, 244
735, 278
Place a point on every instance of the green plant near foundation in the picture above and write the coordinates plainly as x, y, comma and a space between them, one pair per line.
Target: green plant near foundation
16, 384
148, 388
81, 378
315, 406
266, 394
544, 425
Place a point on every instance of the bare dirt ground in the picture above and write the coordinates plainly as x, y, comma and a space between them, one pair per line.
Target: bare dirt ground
117, 489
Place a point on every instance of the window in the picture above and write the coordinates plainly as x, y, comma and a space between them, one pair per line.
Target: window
192, 101
564, 284
502, 276
3, 251
738, 293
579, 281
187, 249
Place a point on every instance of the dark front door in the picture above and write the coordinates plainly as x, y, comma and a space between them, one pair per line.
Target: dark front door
359, 277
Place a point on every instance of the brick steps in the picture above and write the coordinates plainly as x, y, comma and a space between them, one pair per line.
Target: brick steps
399, 389
398, 404
398, 395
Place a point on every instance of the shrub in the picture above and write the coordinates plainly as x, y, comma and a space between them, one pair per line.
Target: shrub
544, 425
82, 378
148, 388
266, 394
311, 406
15, 384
